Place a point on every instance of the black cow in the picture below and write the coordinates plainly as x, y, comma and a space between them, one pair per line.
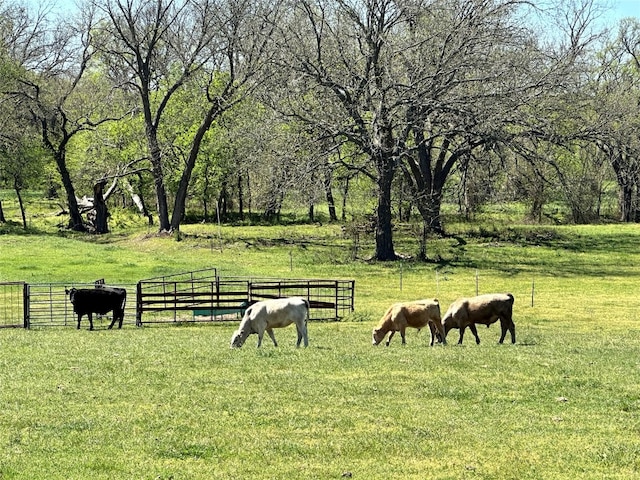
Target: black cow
99, 300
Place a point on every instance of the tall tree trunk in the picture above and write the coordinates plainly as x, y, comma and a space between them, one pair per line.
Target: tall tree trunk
158, 179
223, 201
75, 219
384, 235
240, 197
328, 181
183, 188
345, 195
626, 203
625, 196
102, 214
21, 204
432, 212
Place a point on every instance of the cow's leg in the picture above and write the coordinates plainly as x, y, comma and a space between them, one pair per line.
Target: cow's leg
90, 315
436, 334
461, 335
119, 316
503, 330
260, 334
512, 330
472, 327
401, 323
305, 333
391, 334
507, 325
439, 329
302, 335
273, 337
79, 318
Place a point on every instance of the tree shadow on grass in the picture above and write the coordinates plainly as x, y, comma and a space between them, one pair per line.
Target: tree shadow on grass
547, 252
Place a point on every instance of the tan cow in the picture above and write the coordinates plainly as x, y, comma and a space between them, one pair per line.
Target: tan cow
483, 309
415, 314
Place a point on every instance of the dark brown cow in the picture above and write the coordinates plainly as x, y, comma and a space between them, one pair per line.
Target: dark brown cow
483, 309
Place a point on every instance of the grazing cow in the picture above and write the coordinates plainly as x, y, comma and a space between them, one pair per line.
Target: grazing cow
100, 300
483, 309
269, 314
415, 314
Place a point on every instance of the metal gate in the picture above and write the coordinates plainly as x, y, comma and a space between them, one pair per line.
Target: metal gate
13, 304
328, 299
48, 305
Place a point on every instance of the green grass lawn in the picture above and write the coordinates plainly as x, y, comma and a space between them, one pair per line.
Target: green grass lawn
176, 402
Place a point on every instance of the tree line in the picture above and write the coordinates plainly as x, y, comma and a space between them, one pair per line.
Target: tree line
244, 103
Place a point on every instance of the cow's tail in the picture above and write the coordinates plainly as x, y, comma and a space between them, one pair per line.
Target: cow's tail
124, 299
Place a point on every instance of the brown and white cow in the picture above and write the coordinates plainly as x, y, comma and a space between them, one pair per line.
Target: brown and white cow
483, 309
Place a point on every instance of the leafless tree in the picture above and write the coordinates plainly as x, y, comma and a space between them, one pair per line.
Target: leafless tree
422, 85
342, 61
615, 94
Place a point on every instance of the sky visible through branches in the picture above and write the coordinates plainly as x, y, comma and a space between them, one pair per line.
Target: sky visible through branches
618, 8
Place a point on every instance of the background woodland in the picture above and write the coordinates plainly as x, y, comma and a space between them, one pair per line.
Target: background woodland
373, 113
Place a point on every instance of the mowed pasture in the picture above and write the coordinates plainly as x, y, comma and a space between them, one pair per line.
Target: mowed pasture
177, 402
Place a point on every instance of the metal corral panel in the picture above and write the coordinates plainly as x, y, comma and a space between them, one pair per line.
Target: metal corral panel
12, 304
328, 299
49, 306
204, 296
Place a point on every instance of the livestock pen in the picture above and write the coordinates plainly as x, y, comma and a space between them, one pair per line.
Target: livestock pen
197, 296
204, 296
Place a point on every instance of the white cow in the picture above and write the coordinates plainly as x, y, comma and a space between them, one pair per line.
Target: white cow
269, 314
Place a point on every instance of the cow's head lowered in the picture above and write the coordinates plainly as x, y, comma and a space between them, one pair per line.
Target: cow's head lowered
244, 330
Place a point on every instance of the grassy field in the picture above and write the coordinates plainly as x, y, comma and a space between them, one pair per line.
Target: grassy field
163, 402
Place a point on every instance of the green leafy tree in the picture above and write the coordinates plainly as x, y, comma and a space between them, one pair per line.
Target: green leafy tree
50, 88
156, 48
21, 166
